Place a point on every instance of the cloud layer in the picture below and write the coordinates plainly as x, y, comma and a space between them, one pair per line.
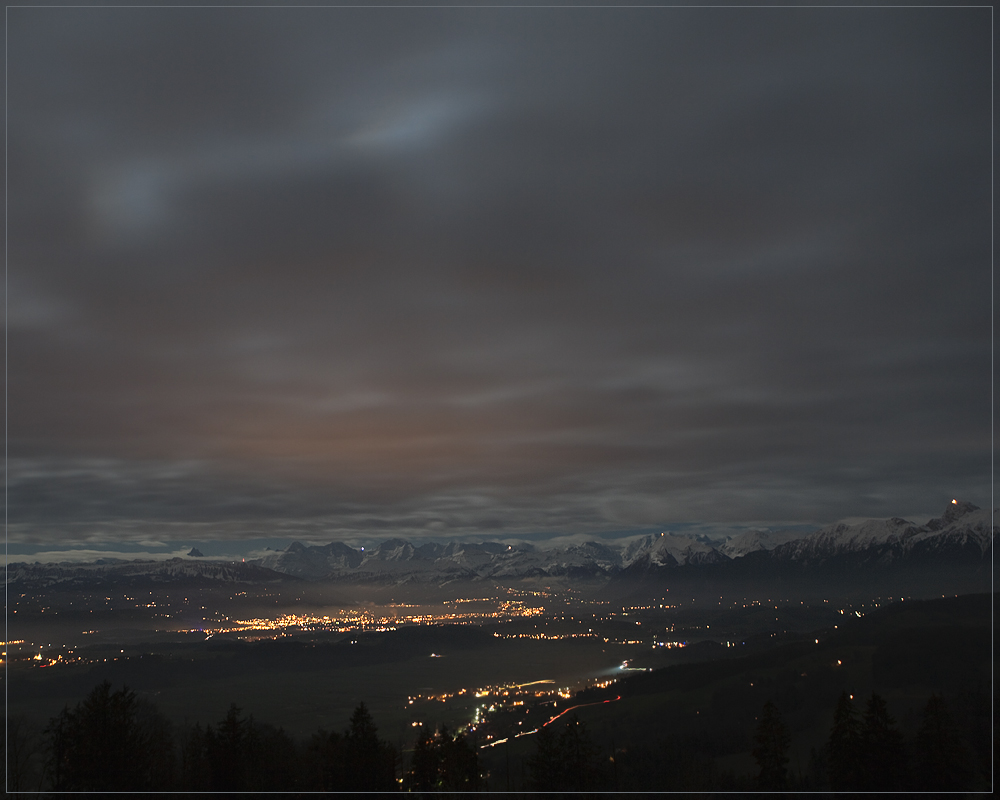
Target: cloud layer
494, 270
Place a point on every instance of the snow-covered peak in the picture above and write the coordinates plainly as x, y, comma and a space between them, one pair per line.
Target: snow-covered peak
755, 539
468, 555
960, 512
962, 523
392, 550
602, 554
844, 537
668, 549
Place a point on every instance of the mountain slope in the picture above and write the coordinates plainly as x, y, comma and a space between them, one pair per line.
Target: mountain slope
962, 535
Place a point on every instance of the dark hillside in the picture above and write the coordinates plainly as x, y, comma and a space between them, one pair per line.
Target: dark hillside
707, 711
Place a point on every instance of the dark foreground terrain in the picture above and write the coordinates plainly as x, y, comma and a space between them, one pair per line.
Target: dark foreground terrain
894, 697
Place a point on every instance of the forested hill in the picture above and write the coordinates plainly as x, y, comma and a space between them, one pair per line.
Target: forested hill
907, 654
895, 700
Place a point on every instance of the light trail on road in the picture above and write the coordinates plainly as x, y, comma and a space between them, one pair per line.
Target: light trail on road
536, 730
582, 705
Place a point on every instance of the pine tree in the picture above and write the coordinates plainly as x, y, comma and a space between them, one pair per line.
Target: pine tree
580, 758
110, 742
772, 741
228, 755
362, 725
424, 765
569, 762
884, 760
941, 759
196, 772
843, 750
23, 751
458, 763
275, 764
328, 759
371, 763
546, 765
442, 762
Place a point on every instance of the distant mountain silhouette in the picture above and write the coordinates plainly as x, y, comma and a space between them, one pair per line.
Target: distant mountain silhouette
962, 535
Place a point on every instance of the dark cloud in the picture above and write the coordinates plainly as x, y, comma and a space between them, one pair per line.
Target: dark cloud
498, 270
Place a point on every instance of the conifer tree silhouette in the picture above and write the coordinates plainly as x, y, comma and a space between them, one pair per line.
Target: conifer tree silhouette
568, 762
424, 764
110, 742
442, 762
771, 742
843, 748
371, 763
545, 766
883, 757
941, 758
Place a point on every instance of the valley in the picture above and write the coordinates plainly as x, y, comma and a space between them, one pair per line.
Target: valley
654, 651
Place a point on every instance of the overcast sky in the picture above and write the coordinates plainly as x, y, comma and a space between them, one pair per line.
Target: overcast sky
328, 273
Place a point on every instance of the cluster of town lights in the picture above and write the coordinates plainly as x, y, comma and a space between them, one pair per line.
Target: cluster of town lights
365, 621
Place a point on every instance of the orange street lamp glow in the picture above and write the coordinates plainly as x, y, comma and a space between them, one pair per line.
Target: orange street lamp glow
954, 502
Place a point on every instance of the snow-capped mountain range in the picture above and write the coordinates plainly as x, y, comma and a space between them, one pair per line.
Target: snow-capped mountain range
755, 539
963, 529
963, 533
400, 559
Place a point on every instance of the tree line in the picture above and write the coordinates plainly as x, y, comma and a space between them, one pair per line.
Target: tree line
115, 742
865, 752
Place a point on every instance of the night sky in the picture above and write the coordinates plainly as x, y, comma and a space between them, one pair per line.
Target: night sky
356, 273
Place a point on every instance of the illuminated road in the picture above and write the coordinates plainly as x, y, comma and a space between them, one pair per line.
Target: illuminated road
582, 705
528, 733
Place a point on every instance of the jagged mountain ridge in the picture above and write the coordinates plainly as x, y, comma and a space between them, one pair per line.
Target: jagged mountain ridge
963, 529
964, 532
755, 539
670, 550
962, 537
399, 558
